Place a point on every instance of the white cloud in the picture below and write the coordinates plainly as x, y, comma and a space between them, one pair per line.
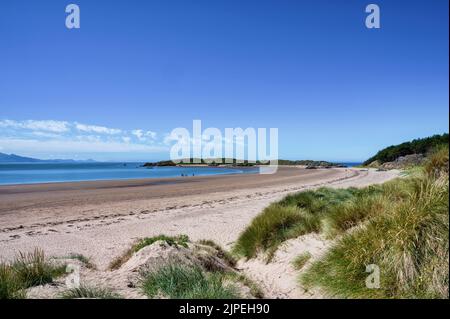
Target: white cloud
76, 146
144, 136
45, 134
97, 129
47, 125
53, 137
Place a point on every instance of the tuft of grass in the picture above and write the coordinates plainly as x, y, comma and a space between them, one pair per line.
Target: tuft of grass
316, 201
181, 240
408, 241
32, 269
86, 292
221, 253
255, 289
269, 229
437, 162
301, 260
347, 215
10, 286
117, 262
295, 215
186, 282
27, 270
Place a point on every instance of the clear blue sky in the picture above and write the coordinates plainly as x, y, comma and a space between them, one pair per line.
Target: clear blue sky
135, 70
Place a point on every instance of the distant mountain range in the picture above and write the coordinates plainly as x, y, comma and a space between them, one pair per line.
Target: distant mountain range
13, 158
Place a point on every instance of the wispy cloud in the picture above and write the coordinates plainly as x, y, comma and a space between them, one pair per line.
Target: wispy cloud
144, 135
48, 125
76, 146
97, 129
51, 136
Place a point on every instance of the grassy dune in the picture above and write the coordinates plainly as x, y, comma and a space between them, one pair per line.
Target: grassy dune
304, 213
401, 226
184, 282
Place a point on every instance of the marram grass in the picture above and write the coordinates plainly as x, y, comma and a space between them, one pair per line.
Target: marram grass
27, 270
187, 282
408, 242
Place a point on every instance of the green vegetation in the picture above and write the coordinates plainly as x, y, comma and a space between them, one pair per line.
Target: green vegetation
187, 282
221, 253
32, 269
27, 270
240, 163
296, 215
180, 240
401, 226
275, 225
255, 289
208, 161
176, 241
89, 292
437, 162
301, 260
10, 286
417, 146
408, 240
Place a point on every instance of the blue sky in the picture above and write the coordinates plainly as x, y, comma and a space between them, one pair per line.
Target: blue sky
135, 70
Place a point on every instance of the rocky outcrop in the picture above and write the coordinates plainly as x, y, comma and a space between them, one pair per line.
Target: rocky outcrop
405, 161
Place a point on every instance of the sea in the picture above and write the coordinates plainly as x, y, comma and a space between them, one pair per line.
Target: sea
32, 173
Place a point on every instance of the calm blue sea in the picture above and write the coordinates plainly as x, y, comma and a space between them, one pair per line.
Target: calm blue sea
29, 173
351, 164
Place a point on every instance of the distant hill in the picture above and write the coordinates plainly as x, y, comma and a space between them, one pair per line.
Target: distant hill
234, 162
417, 146
13, 158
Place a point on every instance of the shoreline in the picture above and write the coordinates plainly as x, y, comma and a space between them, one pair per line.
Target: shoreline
103, 222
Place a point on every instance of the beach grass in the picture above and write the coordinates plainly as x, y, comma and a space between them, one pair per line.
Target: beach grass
32, 269
255, 289
437, 162
408, 241
187, 282
271, 228
301, 260
27, 270
221, 253
295, 215
10, 286
87, 292
401, 226
180, 240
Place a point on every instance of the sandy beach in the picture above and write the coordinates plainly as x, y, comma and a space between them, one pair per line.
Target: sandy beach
101, 219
